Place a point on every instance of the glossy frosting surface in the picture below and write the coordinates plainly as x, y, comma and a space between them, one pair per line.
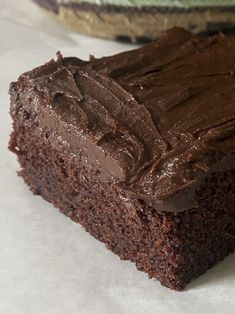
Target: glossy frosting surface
153, 120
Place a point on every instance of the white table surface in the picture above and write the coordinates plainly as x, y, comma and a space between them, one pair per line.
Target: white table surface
49, 264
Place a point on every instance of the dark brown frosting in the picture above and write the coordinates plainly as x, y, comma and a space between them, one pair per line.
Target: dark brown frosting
155, 121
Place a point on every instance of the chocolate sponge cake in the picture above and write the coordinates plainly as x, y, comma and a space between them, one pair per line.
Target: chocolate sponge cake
141, 20
139, 148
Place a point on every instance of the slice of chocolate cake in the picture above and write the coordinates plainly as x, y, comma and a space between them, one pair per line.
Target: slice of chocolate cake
139, 148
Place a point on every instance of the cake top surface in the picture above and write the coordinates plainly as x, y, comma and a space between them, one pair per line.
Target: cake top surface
155, 119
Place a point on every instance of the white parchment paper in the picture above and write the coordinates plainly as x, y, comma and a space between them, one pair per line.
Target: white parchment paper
48, 264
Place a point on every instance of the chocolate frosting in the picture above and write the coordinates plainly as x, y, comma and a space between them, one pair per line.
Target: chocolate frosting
155, 121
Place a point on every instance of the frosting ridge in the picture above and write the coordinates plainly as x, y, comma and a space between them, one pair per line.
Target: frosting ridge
152, 115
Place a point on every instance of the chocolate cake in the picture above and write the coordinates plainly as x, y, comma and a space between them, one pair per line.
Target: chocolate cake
139, 148
141, 20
